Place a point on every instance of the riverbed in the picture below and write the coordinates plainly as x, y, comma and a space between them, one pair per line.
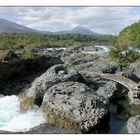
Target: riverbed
13, 120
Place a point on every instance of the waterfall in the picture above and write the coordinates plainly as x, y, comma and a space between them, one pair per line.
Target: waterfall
11, 119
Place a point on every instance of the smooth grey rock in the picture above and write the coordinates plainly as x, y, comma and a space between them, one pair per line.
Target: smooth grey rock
74, 106
112, 90
133, 125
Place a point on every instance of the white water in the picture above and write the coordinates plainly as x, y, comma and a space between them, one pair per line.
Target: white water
11, 119
100, 52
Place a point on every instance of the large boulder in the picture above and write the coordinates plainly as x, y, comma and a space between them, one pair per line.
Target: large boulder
53, 76
74, 106
99, 65
112, 90
133, 72
133, 125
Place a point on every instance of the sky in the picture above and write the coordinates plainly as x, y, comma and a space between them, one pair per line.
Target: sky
104, 20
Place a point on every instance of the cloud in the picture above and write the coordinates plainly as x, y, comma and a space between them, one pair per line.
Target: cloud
99, 19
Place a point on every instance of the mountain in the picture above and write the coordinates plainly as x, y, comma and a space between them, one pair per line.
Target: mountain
8, 26
82, 30
78, 30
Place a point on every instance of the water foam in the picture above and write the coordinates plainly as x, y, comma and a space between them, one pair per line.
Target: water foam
11, 119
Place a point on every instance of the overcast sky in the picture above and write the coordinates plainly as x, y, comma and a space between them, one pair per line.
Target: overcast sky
108, 20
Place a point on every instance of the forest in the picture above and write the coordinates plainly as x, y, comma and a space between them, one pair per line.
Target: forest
30, 40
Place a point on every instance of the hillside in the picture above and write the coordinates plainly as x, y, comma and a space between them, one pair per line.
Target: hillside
130, 36
8, 26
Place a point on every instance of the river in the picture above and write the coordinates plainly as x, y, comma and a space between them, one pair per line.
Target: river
11, 119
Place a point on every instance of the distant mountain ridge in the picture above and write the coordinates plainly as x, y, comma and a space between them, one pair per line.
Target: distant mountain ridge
8, 26
78, 30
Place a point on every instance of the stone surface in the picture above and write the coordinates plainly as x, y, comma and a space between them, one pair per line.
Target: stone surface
103, 66
29, 65
48, 129
53, 76
112, 90
133, 125
74, 106
132, 72
1, 95
77, 58
42, 129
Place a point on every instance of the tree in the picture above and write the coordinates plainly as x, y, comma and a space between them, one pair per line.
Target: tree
123, 55
125, 50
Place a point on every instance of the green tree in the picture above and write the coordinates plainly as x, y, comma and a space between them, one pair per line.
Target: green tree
123, 56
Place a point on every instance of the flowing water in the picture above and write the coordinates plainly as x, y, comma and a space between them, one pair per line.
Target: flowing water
11, 119
100, 50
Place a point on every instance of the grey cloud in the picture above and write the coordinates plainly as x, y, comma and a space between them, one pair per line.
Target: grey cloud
99, 19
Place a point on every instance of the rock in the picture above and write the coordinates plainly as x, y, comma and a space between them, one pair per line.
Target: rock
77, 58
29, 65
133, 125
42, 129
48, 129
53, 76
103, 66
129, 74
92, 49
112, 90
71, 50
1, 95
132, 72
74, 106
6, 132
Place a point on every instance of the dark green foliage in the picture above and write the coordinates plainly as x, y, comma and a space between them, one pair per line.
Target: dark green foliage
123, 56
125, 51
28, 40
130, 36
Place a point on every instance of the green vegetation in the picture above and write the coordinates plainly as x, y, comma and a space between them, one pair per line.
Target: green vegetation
123, 56
125, 50
130, 36
28, 40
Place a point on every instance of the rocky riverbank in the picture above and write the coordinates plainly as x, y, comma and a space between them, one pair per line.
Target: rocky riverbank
69, 101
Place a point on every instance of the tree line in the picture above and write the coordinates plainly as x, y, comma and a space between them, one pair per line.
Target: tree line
31, 40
